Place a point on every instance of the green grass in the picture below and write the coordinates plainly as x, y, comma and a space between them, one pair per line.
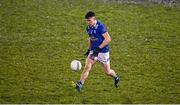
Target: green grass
39, 39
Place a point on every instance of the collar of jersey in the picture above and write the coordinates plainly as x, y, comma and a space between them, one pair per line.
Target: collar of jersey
96, 26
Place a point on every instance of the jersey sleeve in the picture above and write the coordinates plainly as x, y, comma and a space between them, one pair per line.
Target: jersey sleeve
102, 29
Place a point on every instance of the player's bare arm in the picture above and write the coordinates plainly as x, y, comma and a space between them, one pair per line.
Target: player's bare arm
106, 41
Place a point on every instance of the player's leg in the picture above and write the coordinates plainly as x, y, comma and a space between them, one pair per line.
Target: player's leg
105, 60
87, 68
111, 73
108, 71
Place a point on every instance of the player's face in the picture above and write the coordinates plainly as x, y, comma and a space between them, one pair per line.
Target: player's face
91, 21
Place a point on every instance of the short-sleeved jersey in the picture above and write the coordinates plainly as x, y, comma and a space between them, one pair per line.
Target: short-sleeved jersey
96, 36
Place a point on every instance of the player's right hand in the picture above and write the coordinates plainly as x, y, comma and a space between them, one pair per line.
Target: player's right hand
87, 53
96, 52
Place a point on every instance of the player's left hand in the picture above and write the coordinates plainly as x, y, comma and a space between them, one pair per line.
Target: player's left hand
96, 52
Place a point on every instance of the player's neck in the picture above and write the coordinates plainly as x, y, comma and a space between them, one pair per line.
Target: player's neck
94, 25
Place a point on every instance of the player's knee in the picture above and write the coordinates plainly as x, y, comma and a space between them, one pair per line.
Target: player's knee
87, 67
107, 72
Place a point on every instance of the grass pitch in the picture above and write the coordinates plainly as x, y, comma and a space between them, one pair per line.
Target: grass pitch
39, 39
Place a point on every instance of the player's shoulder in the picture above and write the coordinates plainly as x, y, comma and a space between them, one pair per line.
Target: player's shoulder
100, 25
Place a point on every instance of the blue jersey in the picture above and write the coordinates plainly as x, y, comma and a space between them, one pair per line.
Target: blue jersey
96, 36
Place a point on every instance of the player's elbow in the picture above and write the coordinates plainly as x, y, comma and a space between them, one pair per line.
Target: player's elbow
108, 39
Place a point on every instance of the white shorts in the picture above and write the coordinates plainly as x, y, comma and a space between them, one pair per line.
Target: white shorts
102, 57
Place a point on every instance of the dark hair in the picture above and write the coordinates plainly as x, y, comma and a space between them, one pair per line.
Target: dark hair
89, 15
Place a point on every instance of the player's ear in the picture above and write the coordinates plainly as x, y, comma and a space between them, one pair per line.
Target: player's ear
94, 18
